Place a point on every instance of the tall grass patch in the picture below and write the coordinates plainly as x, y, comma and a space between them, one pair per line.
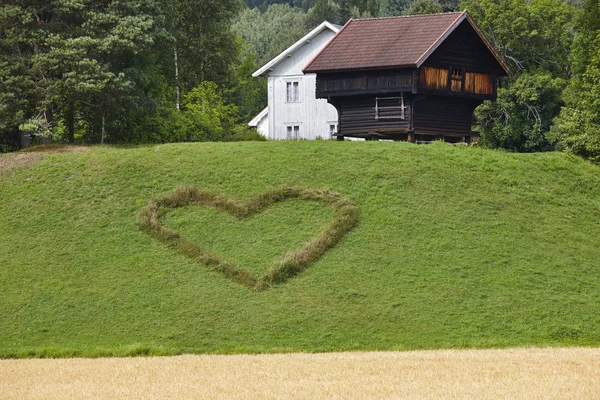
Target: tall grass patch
292, 263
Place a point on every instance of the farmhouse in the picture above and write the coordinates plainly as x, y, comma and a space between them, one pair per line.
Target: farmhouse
415, 78
293, 111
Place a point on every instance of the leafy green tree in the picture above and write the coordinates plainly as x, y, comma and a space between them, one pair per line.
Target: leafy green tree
424, 7
391, 8
249, 93
323, 10
530, 34
198, 43
209, 117
522, 114
534, 36
577, 128
371, 7
450, 5
336, 12
267, 34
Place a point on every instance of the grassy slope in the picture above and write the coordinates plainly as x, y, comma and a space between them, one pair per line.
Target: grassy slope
455, 247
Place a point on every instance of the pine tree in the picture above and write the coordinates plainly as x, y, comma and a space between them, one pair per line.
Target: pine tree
58, 53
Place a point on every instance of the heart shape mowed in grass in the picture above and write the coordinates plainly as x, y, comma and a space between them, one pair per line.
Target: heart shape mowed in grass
290, 264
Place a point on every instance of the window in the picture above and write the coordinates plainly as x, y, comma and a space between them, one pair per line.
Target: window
293, 131
292, 92
456, 80
333, 129
390, 107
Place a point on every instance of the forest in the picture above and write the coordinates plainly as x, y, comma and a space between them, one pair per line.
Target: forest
156, 71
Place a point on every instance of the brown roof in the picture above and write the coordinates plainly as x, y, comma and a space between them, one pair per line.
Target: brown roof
389, 42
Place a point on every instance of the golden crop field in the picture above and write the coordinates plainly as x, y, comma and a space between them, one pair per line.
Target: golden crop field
549, 373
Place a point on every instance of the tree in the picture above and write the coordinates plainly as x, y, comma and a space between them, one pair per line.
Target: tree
391, 8
577, 128
73, 51
534, 36
267, 34
529, 34
209, 117
199, 44
424, 7
323, 10
19, 96
522, 114
249, 93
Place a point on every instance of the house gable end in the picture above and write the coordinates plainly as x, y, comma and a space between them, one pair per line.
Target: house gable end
293, 63
325, 27
464, 48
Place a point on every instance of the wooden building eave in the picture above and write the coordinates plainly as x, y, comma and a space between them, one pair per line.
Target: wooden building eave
359, 92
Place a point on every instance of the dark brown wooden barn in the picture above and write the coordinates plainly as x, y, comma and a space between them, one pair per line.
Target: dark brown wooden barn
408, 78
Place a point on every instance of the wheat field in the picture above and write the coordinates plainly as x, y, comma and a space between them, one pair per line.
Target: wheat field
550, 373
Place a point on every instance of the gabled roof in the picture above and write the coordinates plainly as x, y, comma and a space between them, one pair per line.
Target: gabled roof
290, 50
259, 117
395, 42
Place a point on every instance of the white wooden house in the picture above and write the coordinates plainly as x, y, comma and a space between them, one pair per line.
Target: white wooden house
293, 111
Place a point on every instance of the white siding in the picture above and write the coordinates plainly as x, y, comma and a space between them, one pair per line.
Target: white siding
311, 114
263, 126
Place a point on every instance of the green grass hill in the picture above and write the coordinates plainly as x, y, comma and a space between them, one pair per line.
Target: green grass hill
453, 247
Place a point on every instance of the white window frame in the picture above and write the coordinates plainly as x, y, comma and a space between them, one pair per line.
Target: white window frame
292, 131
292, 90
335, 125
401, 107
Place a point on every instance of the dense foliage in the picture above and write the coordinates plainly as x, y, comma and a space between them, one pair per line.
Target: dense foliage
119, 70
577, 128
66, 57
535, 38
124, 70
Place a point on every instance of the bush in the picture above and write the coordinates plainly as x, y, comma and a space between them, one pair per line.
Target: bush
244, 133
164, 125
9, 141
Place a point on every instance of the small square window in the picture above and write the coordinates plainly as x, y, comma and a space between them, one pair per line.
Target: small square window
293, 132
292, 92
456, 81
332, 129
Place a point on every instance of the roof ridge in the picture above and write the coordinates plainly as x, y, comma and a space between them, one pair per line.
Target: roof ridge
408, 16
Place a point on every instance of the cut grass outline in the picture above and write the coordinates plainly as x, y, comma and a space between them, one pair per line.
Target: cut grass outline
291, 264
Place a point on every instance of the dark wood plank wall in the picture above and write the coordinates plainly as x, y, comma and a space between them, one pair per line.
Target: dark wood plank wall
357, 117
364, 82
443, 116
465, 49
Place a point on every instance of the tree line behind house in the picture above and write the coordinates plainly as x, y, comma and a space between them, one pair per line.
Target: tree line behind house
153, 71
